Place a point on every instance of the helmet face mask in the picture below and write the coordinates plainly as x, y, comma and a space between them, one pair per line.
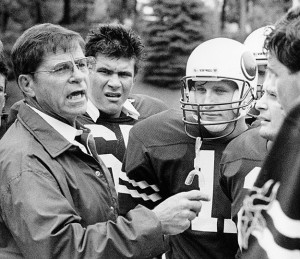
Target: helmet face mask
213, 63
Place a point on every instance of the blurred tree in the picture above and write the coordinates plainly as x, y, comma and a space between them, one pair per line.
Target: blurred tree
100, 11
171, 32
67, 12
123, 11
4, 16
250, 15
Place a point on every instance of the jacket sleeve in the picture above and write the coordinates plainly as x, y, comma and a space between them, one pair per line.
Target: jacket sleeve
138, 183
45, 225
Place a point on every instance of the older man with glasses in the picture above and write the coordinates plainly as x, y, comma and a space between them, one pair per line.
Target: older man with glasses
57, 198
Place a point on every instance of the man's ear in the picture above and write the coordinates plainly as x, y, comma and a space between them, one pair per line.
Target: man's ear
25, 82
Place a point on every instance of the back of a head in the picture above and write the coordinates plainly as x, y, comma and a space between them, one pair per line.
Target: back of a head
30, 48
114, 41
284, 41
255, 43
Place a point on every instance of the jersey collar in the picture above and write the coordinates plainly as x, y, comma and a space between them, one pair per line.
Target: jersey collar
127, 109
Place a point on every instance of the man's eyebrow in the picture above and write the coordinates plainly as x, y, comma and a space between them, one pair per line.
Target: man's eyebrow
125, 72
103, 68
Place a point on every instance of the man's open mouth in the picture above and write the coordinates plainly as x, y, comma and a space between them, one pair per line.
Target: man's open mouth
113, 95
76, 95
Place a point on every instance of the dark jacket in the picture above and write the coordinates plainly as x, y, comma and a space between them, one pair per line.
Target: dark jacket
58, 202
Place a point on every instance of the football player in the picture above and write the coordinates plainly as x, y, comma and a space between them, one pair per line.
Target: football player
243, 157
255, 43
167, 154
271, 213
111, 109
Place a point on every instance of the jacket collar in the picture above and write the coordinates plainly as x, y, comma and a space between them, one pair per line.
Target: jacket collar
45, 134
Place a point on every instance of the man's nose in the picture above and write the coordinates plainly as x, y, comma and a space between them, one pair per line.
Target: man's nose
209, 99
114, 80
77, 74
261, 104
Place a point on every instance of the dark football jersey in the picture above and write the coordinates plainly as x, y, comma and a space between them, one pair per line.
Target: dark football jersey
271, 213
111, 134
159, 158
240, 165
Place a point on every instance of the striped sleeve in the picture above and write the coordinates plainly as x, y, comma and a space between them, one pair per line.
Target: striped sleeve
138, 183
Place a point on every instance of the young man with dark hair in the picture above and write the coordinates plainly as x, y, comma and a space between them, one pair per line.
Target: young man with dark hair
112, 110
243, 157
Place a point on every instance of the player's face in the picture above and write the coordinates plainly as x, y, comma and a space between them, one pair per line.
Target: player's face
286, 83
62, 93
260, 79
271, 113
2, 92
111, 84
214, 94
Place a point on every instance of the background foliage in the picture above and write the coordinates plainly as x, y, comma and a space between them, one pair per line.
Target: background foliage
170, 28
176, 28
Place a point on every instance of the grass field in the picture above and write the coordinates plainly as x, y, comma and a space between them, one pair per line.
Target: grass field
170, 97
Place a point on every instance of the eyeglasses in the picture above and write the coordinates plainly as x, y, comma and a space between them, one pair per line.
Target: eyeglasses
67, 68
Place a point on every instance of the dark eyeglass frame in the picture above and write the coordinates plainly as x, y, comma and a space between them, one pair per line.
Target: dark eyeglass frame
67, 67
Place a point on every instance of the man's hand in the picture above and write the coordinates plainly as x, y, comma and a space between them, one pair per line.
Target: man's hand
176, 212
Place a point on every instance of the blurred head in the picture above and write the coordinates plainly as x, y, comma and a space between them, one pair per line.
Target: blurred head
271, 113
3, 82
255, 43
221, 78
118, 51
284, 58
51, 70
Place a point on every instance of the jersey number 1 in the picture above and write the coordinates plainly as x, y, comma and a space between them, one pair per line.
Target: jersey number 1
205, 222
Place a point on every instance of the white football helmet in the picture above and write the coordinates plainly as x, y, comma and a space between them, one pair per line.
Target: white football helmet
255, 43
219, 59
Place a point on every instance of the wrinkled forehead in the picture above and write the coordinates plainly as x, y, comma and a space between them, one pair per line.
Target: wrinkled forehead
60, 54
63, 47
228, 84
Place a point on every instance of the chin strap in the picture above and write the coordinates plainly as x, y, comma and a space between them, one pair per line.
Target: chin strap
197, 169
